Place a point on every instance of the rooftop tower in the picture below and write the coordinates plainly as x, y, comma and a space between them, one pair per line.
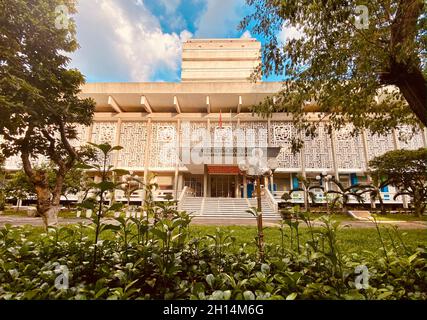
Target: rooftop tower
220, 60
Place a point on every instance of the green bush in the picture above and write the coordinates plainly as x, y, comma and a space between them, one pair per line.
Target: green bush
139, 259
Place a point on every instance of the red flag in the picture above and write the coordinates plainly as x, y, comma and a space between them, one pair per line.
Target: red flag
220, 119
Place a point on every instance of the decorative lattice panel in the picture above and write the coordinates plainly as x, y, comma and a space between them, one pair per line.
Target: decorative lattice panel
259, 129
104, 132
318, 150
191, 132
222, 134
163, 144
133, 139
281, 134
378, 144
82, 132
349, 149
409, 139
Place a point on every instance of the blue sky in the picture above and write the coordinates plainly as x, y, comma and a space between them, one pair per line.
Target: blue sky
140, 40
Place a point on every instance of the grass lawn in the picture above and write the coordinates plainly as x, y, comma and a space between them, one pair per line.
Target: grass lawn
350, 239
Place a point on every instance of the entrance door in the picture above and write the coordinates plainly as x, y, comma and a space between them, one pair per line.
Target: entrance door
223, 186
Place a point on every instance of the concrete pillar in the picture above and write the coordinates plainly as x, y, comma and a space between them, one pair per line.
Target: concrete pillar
365, 149
334, 155
178, 146
147, 155
205, 181
272, 182
302, 155
116, 153
180, 181
117, 142
396, 147
236, 186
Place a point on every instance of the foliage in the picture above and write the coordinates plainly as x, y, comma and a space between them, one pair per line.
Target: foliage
308, 188
101, 189
164, 260
39, 102
374, 190
18, 186
407, 170
344, 194
332, 65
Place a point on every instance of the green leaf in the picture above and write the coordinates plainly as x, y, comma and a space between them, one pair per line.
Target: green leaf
101, 292
384, 295
116, 206
248, 295
292, 296
210, 278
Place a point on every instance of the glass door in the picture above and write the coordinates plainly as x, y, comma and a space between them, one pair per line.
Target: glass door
223, 186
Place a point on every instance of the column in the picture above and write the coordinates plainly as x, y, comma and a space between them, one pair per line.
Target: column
117, 142
236, 186
147, 155
334, 155
365, 149
396, 147
205, 181
117, 153
178, 144
302, 155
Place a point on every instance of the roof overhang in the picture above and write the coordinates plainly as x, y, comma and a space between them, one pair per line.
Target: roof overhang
186, 97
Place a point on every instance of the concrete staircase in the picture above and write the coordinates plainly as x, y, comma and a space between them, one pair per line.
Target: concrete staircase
225, 208
267, 211
193, 205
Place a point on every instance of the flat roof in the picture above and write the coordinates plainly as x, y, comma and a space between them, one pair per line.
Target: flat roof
179, 97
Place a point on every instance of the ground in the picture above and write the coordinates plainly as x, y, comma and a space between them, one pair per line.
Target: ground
354, 235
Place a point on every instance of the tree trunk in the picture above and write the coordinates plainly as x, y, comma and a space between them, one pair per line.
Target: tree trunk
414, 88
50, 217
259, 220
405, 69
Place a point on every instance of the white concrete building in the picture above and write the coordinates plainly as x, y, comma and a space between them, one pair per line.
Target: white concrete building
216, 95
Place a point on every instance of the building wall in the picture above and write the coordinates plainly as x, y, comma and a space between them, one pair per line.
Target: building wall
342, 153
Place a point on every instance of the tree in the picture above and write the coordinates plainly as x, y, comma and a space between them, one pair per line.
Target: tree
39, 106
345, 193
307, 188
406, 170
374, 190
372, 75
18, 186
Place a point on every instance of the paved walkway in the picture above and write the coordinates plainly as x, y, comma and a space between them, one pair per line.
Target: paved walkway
19, 221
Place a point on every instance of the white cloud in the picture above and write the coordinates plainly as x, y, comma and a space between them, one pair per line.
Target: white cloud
220, 19
122, 40
290, 32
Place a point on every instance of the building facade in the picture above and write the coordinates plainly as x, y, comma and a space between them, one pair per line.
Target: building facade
214, 98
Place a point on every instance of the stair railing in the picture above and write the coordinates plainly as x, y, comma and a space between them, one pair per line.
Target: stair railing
271, 201
182, 197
